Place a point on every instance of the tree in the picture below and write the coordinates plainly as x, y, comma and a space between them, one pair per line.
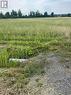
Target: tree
1, 15
32, 14
7, 15
14, 14
45, 14
19, 13
69, 15
52, 14
38, 14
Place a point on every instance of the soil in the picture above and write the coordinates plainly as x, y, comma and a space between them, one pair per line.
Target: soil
56, 80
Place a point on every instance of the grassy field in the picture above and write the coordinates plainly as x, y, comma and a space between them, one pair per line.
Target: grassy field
24, 38
32, 39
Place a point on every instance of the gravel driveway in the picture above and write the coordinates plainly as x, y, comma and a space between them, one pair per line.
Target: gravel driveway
58, 76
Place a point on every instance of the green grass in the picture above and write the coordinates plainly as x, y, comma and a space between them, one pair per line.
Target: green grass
24, 38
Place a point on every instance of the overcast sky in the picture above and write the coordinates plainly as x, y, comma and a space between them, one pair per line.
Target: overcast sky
58, 6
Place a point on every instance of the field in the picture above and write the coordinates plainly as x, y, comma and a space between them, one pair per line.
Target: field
26, 39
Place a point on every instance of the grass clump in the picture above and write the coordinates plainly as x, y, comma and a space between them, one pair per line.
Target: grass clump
32, 69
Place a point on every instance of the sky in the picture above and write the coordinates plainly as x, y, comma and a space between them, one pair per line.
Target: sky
56, 6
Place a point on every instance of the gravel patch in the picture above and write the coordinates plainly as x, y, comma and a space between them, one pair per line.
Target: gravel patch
56, 80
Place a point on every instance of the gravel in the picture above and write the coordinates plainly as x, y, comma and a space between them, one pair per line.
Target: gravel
58, 76
56, 80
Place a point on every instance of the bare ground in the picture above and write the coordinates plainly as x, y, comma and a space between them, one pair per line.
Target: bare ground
56, 80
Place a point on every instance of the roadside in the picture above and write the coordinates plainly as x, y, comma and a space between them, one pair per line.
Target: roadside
55, 81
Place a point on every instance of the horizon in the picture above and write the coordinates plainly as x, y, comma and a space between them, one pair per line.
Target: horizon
58, 7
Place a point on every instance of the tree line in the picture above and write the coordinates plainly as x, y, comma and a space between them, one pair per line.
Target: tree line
32, 14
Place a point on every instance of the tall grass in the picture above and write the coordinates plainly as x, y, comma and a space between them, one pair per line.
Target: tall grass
21, 38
